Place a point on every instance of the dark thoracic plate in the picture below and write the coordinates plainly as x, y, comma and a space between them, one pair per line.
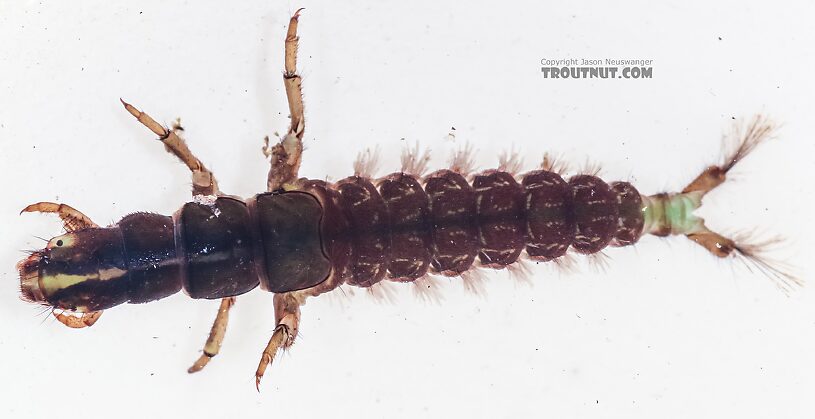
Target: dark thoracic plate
217, 244
290, 230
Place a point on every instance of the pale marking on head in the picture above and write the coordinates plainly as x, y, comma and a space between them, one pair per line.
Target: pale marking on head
53, 283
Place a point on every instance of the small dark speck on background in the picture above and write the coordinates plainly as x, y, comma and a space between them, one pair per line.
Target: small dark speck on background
720, 38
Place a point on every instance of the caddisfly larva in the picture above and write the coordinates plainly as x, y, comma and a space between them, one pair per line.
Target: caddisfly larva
303, 238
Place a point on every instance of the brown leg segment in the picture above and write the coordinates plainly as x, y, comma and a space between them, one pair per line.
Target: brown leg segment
203, 181
286, 155
216, 336
287, 315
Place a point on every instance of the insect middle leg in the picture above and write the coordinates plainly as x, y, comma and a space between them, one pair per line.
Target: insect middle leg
203, 183
286, 155
285, 158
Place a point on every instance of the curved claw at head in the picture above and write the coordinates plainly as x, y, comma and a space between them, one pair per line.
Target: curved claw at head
85, 320
72, 219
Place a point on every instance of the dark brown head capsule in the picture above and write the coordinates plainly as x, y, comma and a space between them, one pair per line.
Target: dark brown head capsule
82, 270
93, 269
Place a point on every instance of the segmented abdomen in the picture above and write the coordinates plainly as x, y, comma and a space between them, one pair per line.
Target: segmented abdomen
400, 229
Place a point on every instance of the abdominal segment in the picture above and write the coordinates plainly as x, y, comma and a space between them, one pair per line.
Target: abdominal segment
402, 227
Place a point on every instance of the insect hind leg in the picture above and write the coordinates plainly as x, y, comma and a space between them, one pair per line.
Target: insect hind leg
286, 155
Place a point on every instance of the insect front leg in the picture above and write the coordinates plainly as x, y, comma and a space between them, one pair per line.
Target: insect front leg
203, 183
216, 336
286, 155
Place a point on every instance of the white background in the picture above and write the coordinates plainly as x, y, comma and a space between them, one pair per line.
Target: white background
665, 331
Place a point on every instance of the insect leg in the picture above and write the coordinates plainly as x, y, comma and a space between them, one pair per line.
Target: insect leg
216, 336
203, 181
72, 219
287, 314
286, 155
